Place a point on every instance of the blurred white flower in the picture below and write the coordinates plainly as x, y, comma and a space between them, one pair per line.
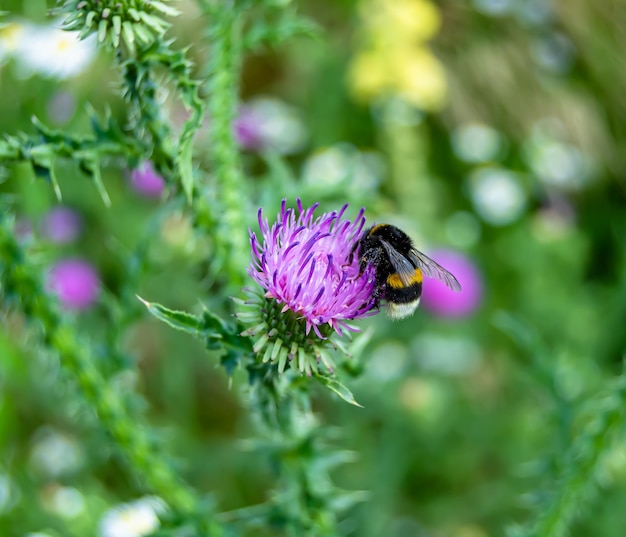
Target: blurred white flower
497, 195
554, 52
344, 163
476, 142
327, 167
53, 52
55, 454
67, 502
277, 125
133, 519
558, 164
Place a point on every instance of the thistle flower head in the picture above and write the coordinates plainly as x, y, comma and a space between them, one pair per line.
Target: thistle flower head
312, 284
303, 263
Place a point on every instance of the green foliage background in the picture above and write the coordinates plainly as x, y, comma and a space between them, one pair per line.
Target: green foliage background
525, 434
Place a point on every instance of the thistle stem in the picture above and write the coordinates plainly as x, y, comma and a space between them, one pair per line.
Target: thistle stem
222, 105
23, 282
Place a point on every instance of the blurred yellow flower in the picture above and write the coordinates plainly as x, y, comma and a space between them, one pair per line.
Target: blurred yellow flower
413, 20
394, 61
421, 79
369, 75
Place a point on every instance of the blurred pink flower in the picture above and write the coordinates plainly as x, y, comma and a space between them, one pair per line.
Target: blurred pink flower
269, 124
248, 129
61, 225
75, 283
146, 181
440, 300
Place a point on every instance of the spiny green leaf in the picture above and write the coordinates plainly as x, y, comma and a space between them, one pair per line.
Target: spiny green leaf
340, 389
185, 165
55, 183
93, 169
185, 144
216, 333
343, 501
230, 360
180, 320
214, 323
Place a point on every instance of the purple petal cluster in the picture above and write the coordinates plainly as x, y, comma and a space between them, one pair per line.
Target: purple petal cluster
61, 225
146, 181
302, 262
442, 301
75, 283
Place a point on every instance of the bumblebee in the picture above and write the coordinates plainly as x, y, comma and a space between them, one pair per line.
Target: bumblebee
399, 269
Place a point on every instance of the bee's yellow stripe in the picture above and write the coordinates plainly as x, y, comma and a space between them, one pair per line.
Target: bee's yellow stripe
394, 279
377, 227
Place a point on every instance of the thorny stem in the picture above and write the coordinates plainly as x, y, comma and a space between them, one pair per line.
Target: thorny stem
142, 93
304, 493
22, 281
581, 467
223, 86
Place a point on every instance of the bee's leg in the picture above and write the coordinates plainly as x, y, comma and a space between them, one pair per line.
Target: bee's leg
377, 295
352, 250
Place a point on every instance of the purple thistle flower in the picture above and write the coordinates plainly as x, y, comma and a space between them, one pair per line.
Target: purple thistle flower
75, 283
146, 181
61, 225
302, 263
440, 300
311, 288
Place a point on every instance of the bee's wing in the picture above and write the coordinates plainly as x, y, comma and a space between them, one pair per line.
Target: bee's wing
434, 270
401, 264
